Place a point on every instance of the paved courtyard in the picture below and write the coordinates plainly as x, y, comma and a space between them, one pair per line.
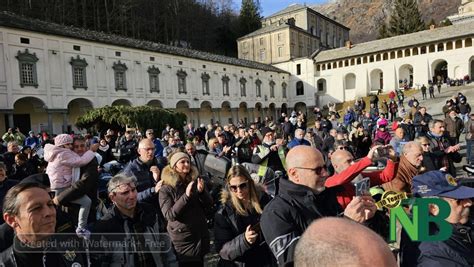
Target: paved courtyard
435, 107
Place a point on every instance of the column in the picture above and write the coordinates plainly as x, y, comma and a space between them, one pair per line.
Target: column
235, 115
214, 115
191, 120
50, 122
218, 110
9, 113
196, 117
65, 122
249, 114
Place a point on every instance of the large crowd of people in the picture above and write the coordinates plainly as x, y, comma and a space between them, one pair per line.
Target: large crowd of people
290, 193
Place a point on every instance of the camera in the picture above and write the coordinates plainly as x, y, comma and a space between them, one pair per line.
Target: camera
382, 152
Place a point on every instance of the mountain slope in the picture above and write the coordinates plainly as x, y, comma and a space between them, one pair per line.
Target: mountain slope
364, 17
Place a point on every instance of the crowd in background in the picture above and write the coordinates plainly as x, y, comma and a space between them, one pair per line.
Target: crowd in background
146, 182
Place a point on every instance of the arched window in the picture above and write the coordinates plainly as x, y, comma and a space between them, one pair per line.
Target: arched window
299, 88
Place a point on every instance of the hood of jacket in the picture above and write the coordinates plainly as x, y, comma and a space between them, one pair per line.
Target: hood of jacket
52, 151
170, 177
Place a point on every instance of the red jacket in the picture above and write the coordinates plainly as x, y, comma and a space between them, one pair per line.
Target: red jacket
344, 178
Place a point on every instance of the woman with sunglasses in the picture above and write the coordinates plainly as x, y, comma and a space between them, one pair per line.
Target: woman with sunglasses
238, 238
428, 158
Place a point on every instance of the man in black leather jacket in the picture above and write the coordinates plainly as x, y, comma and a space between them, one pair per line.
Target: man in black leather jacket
303, 198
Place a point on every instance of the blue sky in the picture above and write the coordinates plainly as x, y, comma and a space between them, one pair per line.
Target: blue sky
271, 6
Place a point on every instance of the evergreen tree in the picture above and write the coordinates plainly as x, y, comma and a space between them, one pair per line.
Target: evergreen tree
249, 16
406, 18
383, 32
432, 22
446, 22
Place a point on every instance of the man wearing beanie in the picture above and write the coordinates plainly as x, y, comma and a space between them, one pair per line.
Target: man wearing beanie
458, 250
270, 153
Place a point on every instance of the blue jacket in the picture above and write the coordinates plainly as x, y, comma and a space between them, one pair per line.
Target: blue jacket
145, 181
349, 118
457, 251
296, 142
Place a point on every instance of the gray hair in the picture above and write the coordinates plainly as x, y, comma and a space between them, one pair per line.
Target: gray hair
409, 146
118, 180
433, 122
299, 130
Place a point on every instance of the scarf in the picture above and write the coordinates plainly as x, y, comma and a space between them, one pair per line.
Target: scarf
403, 178
104, 148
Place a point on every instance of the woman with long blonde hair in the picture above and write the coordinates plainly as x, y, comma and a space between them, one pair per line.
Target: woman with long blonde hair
239, 240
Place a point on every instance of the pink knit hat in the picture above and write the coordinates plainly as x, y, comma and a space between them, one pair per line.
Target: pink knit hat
63, 139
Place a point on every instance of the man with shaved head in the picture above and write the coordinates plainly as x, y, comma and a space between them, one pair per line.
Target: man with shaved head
347, 171
339, 242
303, 198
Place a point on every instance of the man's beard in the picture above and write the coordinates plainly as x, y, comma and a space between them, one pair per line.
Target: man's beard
465, 215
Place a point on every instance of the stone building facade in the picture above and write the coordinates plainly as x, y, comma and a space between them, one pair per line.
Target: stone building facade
51, 74
294, 32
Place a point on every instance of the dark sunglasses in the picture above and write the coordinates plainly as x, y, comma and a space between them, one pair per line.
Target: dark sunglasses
241, 186
342, 148
317, 170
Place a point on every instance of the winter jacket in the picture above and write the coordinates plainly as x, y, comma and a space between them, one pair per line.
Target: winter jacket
19, 254
344, 178
464, 108
383, 136
22, 171
186, 216
453, 127
145, 181
263, 153
349, 118
420, 128
128, 150
441, 159
60, 163
288, 215
229, 234
87, 185
15, 136
469, 126
144, 225
457, 251
298, 142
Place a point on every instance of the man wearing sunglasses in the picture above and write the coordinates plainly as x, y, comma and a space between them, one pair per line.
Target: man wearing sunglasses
458, 250
303, 198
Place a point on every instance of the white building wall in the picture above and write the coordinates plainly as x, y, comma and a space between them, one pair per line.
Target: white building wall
55, 90
393, 71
